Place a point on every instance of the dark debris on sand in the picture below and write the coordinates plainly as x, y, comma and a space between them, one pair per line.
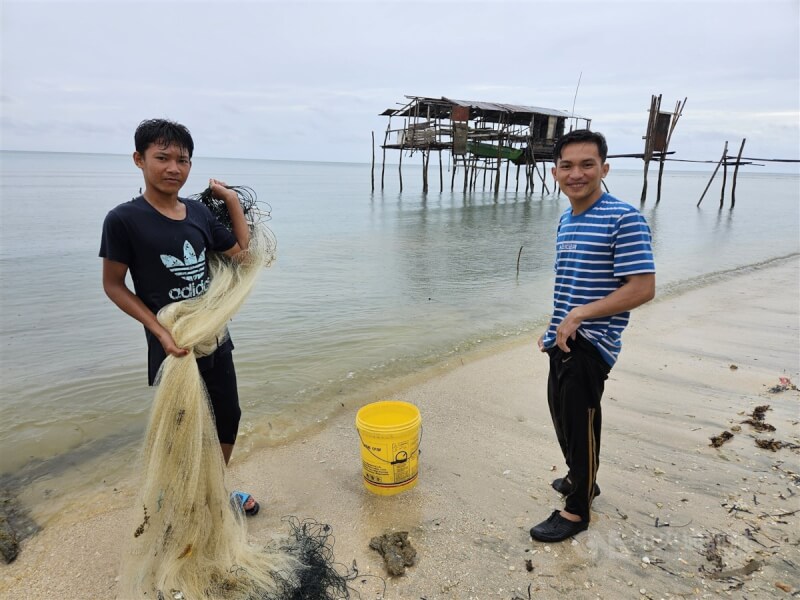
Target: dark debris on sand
397, 551
756, 419
784, 383
718, 440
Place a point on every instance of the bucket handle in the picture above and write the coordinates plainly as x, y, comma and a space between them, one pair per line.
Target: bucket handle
396, 460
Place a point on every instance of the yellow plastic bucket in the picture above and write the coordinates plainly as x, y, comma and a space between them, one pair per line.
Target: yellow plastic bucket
389, 432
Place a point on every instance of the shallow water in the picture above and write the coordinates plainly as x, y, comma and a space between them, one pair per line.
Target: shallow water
367, 288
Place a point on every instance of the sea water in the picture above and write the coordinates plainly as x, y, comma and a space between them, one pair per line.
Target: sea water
369, 287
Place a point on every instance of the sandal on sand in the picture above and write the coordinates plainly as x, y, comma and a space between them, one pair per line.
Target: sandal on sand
241, 499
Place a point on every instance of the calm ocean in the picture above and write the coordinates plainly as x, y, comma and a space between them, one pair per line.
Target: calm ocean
368, 288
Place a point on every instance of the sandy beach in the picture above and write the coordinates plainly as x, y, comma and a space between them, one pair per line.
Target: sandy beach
676, 517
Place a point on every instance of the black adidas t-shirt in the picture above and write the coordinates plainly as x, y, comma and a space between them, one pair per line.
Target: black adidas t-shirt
167, 259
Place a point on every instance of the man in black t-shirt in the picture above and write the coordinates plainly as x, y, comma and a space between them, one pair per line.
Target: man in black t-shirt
164, 242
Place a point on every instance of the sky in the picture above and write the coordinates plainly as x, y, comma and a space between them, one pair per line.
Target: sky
307, 80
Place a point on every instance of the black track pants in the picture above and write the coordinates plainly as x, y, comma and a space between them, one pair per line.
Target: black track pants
574, 389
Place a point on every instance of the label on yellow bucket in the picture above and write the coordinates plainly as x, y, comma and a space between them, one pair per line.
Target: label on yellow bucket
389, 433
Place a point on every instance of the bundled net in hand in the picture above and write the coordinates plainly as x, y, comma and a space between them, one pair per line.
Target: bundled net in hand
190, 542
255, 211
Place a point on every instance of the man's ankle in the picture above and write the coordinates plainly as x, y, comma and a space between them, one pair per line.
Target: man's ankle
570, 517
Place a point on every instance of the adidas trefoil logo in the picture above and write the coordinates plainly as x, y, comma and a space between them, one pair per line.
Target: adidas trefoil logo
191, 269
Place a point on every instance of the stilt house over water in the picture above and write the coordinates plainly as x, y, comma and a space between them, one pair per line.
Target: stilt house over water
483, 138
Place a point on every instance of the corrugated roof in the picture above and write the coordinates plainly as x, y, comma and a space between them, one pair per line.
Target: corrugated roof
512, 108
443, 103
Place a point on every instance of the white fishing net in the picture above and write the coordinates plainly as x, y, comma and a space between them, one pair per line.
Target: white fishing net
191, 542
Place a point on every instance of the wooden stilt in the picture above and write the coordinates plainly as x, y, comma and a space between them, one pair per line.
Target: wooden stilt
644, 183
454, 158
530, 173
655, 105
534, 170
708, 185
383, 160
735, 173
660, 175
372, 170
441, 180
499, 160
426, 155
400, 168
543, 177
527, 177
724, 175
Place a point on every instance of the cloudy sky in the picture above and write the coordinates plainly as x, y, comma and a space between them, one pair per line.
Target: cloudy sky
307, 80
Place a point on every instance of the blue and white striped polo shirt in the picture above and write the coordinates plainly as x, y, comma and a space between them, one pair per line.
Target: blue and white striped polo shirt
595, 251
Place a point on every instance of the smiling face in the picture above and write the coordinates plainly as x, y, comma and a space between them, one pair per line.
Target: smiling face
165, 170
579, 172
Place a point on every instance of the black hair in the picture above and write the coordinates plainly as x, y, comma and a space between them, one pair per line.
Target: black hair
163, 133
580, 136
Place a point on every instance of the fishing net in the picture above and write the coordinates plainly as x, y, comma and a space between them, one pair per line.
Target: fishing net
255, 211
191, 542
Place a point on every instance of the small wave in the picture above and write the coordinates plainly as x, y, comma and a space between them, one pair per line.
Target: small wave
680, 286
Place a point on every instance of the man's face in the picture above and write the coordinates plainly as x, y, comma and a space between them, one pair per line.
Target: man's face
165, 168
579, 172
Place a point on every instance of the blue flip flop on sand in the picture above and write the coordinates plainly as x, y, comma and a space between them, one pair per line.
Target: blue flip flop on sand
239, 499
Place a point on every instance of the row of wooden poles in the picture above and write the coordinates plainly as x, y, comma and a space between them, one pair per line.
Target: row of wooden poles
724, 162
471, 167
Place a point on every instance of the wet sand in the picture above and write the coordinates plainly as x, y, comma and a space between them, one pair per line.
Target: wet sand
676, 517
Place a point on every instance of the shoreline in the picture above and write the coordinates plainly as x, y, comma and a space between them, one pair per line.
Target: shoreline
489, 454
48, 483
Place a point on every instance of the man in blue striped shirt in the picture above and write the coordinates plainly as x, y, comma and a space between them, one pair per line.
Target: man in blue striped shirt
604, 269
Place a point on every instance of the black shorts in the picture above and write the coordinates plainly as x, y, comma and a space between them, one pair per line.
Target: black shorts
220, 380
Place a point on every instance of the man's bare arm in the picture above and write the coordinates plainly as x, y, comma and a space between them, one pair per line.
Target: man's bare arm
238, 221
118, 292
636, 290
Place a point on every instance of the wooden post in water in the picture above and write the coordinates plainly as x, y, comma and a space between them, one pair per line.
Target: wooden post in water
655, 105
473, 167
508, 166
441, 180
534, 170
543, 176
372, 170
527, 177
383, 160
400, 166
426, 156
499, 159
676, 114
735, 173
724, 175
708, 185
